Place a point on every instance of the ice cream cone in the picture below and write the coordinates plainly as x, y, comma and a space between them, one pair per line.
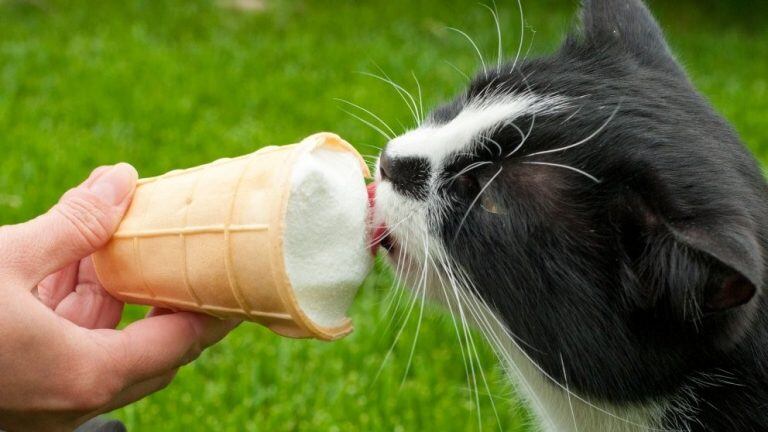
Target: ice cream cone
210, 239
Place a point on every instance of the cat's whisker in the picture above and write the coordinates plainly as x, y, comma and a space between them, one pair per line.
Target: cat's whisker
493, 338
369, 124
500, 46
456, 68
568, 167
476, 310
394, 295
403, 91
370, 113
474, 45
530, 43
370, 162
570, 117
453, 320
397, 337
420, 287
421, 98
468, 366
568, 393
469, 286
393, 292
400, 282
480, 366
524, 139
467, 169
423, 289
494, 142
474, 201
465, 330
510, 400
522, 34
404, 94
456, 291
390, 229
585, 140
370, 146
464, 287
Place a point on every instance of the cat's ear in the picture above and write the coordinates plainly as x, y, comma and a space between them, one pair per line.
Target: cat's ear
735, 260
629, 26
690, 269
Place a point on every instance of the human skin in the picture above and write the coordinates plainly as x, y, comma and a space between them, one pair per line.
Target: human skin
61, 360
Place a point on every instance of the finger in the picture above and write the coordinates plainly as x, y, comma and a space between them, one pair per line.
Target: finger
76, 294
87, 273
52, 290
82, 222
158, 311
154, 345
89, 305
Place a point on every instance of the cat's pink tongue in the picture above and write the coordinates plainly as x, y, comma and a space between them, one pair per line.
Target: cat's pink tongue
380, 230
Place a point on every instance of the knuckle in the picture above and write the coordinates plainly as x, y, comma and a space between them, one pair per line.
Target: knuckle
87, 217
167, 380
192, 354
198, 344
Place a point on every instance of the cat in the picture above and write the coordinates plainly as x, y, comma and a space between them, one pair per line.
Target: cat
603, 227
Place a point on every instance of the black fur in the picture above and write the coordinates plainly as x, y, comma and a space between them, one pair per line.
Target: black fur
407, 174
649, 283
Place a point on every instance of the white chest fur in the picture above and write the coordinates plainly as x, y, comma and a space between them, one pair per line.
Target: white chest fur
559, 410
556, 407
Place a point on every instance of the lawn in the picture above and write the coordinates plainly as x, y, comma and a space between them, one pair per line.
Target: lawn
168, 84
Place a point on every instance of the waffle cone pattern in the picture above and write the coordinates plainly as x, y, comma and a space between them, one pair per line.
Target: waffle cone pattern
209, 239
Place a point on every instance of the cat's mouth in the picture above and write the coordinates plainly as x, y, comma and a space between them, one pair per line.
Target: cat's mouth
387, 242
380, 235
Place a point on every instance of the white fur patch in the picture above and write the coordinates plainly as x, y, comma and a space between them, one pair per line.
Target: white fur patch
436, 142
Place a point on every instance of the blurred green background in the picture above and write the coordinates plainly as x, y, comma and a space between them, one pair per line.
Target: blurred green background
169, 84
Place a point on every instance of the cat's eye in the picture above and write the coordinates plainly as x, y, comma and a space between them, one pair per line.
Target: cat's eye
468, 187
491, 205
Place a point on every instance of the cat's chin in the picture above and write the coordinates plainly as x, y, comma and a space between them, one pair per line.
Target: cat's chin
381, 237
388, 243
393, 250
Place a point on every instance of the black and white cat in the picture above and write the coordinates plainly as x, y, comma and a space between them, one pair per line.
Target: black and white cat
602, 225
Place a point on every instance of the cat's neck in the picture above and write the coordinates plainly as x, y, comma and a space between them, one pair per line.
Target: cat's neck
726, 397
732, 394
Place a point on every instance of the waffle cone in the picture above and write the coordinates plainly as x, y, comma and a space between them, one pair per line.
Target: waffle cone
210, 239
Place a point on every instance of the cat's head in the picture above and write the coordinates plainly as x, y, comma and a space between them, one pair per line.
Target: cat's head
593, 201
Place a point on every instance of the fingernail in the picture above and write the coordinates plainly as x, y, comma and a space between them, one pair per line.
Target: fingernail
115, 184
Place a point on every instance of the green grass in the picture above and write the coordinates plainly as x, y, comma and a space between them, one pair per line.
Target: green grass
166, 84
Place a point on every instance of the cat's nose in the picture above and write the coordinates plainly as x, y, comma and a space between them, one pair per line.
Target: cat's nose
409, 175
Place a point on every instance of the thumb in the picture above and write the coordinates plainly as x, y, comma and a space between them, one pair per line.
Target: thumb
79, 224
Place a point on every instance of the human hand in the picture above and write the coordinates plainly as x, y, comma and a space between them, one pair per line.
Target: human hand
61, 360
